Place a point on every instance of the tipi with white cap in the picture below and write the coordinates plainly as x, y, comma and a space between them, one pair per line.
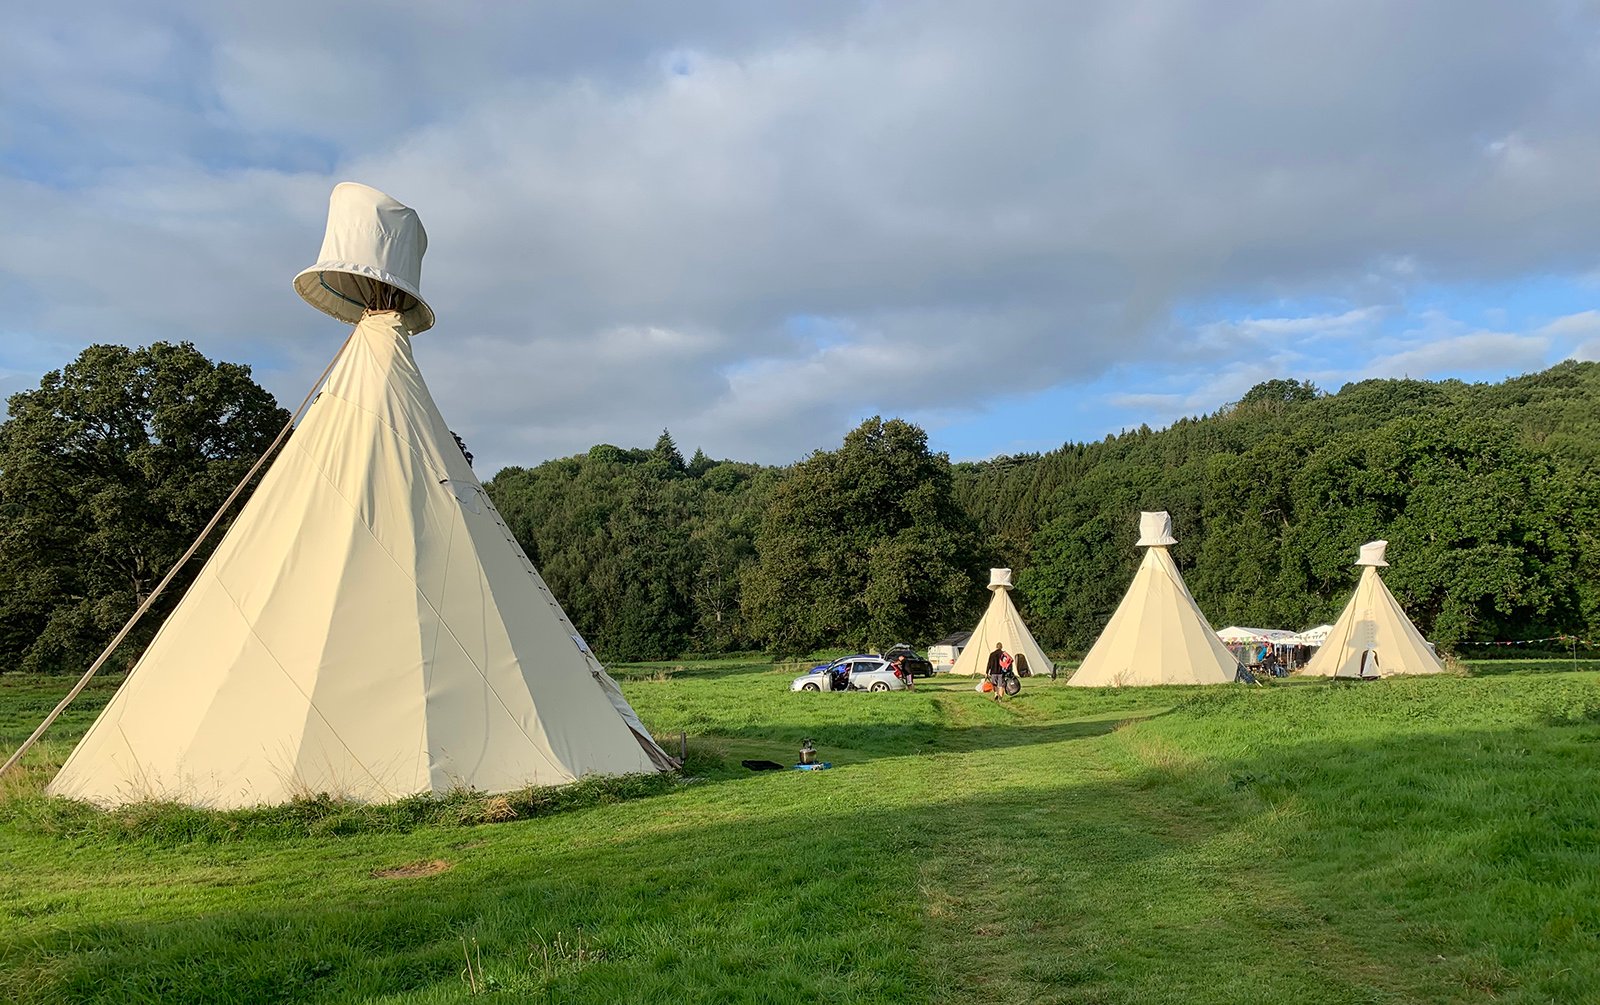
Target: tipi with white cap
1373, 637
368, 627
1157, 635
1002, 624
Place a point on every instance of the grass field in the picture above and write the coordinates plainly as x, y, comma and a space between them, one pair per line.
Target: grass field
1429, 840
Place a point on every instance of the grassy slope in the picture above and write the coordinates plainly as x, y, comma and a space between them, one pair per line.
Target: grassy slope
1404, 841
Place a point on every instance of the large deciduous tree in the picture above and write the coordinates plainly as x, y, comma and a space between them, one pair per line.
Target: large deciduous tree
108, 470
863, 544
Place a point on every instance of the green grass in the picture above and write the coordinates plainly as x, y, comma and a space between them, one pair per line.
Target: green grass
1429, 840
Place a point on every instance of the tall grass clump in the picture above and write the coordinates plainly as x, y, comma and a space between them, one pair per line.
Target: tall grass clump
320, 815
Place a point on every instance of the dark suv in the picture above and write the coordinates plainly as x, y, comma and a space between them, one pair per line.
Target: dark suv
914, 664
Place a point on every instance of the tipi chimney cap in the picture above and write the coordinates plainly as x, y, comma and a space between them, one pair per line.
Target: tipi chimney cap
1155, 530
1372, 553
373, 247
999, 579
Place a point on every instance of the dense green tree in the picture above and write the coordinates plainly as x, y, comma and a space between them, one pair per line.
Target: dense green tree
1462, 502
1277, 393
699, 464
1489, 494
645, 555
108, 470
862, 544
666, 452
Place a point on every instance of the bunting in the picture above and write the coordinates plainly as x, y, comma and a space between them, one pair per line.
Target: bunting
1564, 639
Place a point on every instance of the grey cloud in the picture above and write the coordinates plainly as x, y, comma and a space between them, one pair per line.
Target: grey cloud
1022, 189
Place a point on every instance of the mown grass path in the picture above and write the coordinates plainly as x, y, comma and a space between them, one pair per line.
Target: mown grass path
1405, 841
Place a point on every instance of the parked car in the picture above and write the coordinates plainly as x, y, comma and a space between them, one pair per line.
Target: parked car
914, 664
863, 672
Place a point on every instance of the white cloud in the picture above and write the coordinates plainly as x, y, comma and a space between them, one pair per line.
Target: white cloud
1573, 325
1320, 325
1164, 406
1470, 354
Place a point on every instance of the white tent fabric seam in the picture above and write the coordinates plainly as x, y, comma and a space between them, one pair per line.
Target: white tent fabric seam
311, 705
421, 594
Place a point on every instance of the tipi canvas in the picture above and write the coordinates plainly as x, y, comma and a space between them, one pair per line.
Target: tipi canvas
1157, 635
1001, 623
1373, 637
368, 627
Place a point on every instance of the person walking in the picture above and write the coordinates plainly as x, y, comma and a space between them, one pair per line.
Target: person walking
999, 663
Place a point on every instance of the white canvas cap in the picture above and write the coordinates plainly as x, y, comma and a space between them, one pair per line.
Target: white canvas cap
371, 237
999, 579
1155, 530
1372, 553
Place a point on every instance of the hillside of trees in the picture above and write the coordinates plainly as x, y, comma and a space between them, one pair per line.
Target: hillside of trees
1488, 493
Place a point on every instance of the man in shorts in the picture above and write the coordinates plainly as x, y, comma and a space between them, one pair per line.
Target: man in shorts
999, 662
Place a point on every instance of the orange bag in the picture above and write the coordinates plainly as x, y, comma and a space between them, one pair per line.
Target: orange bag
987, 686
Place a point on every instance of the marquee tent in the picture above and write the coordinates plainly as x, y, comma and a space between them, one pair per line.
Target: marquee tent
1312, 636
1157, 635
1373, 637
1234, 634
1001, 623
368, 627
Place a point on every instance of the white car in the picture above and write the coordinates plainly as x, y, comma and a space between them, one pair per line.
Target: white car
853, 673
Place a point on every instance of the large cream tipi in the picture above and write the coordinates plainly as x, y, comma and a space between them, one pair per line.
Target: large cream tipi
1373, 637
368, 627
1157, 635
1001, 623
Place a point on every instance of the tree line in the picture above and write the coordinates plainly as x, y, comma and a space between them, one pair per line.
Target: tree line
1488, 494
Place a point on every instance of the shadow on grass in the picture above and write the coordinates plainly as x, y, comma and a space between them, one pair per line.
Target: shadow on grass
802, 903
712, 758
856, 743
1425, 867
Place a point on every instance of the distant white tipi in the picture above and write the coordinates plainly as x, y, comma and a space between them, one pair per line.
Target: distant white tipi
1373, 637
368, 627
1157, 635
1001, 623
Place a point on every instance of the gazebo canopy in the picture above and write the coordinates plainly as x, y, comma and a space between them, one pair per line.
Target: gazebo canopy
1235, 634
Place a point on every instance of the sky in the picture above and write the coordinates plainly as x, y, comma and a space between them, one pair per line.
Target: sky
1015, 223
